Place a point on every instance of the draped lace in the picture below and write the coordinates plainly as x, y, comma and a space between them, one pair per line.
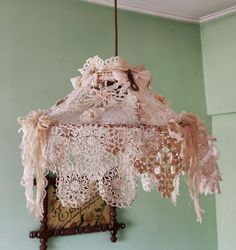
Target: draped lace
104, 135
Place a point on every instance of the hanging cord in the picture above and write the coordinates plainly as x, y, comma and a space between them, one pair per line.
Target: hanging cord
116, 28
133, 85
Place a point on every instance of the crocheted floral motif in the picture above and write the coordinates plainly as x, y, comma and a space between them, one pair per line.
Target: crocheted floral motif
106, 133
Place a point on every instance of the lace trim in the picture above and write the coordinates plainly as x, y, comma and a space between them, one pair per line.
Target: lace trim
104, 135
97, 64
33, 148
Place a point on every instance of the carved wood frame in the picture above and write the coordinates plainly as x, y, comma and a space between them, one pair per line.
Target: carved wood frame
44, 233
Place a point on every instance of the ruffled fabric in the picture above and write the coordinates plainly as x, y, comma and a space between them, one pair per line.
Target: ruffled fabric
106, 133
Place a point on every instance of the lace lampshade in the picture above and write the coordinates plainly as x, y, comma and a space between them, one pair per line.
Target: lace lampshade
110, 130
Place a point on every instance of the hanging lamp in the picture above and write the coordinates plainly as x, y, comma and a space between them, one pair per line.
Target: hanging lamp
109, 131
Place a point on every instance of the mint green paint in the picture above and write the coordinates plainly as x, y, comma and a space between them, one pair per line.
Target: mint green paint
41, 45
219, 56
224, 129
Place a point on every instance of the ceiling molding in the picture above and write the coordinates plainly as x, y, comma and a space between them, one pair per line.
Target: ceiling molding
218, 14
148, 11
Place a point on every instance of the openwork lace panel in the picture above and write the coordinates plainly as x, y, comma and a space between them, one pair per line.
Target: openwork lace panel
106, 133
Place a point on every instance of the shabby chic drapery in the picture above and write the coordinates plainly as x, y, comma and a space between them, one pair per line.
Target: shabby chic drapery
110, 130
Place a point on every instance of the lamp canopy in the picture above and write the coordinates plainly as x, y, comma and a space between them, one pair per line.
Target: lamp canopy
109, 131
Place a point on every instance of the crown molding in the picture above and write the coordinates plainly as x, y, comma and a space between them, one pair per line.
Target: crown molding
148, 11
218, 14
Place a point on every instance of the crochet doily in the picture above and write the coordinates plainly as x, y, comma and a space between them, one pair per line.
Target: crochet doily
106, 133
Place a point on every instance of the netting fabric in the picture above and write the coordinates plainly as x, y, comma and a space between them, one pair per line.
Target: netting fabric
106, 133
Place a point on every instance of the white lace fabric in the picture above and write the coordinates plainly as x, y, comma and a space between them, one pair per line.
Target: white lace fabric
104, 135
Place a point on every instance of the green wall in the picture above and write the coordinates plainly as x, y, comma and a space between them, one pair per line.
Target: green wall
224, 129
219, 54
41, 45
219, 57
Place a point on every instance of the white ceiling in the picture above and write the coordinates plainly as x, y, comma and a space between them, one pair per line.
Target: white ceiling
186, 10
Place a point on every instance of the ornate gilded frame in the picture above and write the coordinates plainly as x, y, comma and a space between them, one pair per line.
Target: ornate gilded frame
62, 221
